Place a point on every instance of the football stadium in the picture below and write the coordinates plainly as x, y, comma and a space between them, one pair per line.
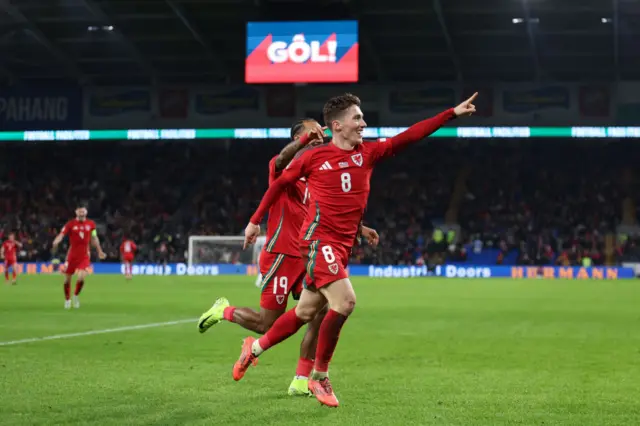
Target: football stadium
292, 212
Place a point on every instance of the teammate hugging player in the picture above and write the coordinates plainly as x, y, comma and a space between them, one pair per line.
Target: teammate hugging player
9, 254
281, 264
81, 232
338, 176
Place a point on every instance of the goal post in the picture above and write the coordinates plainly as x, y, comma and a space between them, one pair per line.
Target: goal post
223, 249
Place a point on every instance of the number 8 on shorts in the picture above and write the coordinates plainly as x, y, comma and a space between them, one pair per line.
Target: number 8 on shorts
326, 263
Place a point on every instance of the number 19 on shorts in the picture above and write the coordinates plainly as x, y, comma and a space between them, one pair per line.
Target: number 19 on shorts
280, 283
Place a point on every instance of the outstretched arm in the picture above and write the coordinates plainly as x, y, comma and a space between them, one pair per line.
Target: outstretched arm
426, 127
419, 131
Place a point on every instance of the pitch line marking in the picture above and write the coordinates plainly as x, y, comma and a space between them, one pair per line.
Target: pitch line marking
95, 332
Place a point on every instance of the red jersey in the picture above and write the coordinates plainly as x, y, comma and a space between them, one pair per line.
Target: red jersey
339, 182
9, 247
128, 248
79, 233
286, 216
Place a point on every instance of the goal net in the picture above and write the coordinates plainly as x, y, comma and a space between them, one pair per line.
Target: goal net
208, 250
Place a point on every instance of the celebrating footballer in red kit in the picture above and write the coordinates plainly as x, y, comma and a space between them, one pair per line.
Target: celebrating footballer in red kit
281, 265
337, 175
9, 254
127, 254
81, 232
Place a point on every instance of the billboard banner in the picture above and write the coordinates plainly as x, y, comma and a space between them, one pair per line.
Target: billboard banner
531, 100
409, 100
32, 108
115, 103
302, 52
374, 271
37, 268
480, 271
215, 103
595, 101
173, 103
118, 107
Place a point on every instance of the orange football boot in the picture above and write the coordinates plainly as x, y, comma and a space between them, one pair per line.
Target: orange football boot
246, 359
323, 392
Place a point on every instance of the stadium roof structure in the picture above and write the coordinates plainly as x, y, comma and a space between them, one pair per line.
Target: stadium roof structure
203, 41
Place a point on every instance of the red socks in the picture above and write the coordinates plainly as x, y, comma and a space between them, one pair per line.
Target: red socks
328, 339
79, 285
305, 365
228, 313
67, 290
285, 326
6, 274
13, 274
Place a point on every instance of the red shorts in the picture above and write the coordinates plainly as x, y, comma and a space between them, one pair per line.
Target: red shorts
281, 275
9, 263
72, 265
325, 263
128, 258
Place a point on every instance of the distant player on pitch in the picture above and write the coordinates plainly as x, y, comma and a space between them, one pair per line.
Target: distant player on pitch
127, 253
81, 232
9, 254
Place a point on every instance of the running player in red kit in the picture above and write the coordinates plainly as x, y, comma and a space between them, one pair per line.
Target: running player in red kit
81, 232
338, 175
281, 265
127, 253
9, 254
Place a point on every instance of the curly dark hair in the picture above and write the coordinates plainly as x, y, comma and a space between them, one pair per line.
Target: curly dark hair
298, 126
335, 106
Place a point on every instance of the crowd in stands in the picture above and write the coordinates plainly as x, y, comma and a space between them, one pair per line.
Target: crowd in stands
530, 202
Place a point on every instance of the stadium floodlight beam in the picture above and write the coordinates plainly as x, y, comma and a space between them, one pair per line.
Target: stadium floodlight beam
616, 36
217, 59
365, 40
532, 39
106, 21
68, 64
437, 6
4, 71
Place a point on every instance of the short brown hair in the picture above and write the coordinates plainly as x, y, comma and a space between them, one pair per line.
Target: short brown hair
335, 106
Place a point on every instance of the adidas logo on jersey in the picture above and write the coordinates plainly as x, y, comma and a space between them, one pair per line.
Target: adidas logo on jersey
326, 166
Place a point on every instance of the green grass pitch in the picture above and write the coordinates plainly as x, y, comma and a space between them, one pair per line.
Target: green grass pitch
416, 351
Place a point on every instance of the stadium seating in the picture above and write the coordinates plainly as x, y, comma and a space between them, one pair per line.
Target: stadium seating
162, 193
